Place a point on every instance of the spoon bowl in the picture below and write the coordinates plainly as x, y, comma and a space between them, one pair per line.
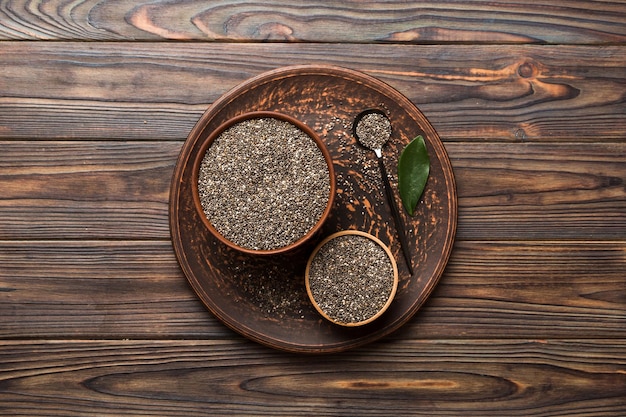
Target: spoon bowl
372, 128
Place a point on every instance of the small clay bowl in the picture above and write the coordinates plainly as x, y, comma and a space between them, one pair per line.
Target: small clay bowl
353, 281
297, 243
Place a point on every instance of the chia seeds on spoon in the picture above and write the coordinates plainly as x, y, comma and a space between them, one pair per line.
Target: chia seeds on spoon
373, 130
351, 278
263, 183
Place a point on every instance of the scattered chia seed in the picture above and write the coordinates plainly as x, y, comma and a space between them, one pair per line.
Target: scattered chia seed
263, 183
277, 292
373, 130
351, 278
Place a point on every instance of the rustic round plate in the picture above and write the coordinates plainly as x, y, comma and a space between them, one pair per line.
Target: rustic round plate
265, 298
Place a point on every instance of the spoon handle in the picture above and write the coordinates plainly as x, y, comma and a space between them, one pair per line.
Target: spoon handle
399, 223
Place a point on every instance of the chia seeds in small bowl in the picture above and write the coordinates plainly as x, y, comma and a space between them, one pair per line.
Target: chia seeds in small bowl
263, 183
351, 278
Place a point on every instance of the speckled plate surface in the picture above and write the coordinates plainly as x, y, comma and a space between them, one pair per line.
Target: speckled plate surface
264, 298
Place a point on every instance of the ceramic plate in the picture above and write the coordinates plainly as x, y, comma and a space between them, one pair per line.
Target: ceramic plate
265, 298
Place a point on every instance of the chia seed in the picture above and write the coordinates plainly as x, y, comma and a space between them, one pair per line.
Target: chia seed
373, 130
263, 183
276, 293
351, 278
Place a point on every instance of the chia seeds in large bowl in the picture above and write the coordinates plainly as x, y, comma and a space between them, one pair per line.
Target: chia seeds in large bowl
264, 183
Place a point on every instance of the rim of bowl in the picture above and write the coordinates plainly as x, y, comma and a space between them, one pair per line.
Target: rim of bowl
260, 115
393, 289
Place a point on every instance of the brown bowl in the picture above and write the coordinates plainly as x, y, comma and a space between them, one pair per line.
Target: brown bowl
263, 115
337, 261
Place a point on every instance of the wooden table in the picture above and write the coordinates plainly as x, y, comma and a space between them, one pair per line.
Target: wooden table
97, 99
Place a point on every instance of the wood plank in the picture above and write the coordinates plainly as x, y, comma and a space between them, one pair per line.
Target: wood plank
580, 22
101, 289
157, 91
540, 191
196, 378
87, 190
540, 288
98, 289
120, 190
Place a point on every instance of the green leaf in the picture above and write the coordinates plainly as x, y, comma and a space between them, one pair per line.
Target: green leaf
413, 170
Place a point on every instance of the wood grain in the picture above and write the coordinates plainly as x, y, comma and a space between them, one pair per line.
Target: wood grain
579, 22
120, 190
99, 289
530, 283
88, 190
96, 100
193, 378
572, 190
158, 91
